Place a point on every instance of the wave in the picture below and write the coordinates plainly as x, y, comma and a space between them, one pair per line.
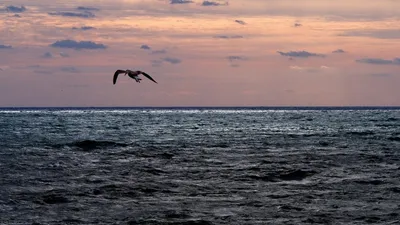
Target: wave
184, 222
90, 145
370, 182
394, 138
360, 133
293, 175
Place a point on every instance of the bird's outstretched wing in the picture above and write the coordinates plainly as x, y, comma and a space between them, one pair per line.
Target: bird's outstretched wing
148, 76
116, 75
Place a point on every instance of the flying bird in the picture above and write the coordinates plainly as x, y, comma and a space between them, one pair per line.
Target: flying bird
133, 75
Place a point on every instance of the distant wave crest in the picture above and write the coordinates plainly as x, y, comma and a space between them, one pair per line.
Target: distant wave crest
89, 145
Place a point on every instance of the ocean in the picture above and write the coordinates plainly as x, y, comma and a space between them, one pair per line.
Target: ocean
200, 166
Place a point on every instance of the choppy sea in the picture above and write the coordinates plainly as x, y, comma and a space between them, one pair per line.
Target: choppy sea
200, 166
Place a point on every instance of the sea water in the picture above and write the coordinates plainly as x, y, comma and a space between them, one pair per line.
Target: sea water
200, 165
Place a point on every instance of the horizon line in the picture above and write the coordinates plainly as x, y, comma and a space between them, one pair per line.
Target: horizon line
201, 107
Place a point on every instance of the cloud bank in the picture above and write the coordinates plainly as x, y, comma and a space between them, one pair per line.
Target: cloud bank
378, 33
83, 28
300, 54
145, 47
159, 62
379, 61
84, 8
47, 55
339, 51
5, 46
236, 58
162, 51
77, 45
228, 37
180, 1
63, 54
15, 9
172, 60
69, 69
240, 22
86, 14
211, 3
156, 63
309, 69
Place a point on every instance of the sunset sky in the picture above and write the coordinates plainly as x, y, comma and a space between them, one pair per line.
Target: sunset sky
201, 53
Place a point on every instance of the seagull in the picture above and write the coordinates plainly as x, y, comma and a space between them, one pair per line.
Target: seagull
132, 74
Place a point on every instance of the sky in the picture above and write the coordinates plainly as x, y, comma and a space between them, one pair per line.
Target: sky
202, 53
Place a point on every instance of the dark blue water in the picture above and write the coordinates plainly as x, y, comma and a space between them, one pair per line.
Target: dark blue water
232, 165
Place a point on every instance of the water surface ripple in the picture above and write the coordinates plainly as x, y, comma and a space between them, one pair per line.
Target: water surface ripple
199, 166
